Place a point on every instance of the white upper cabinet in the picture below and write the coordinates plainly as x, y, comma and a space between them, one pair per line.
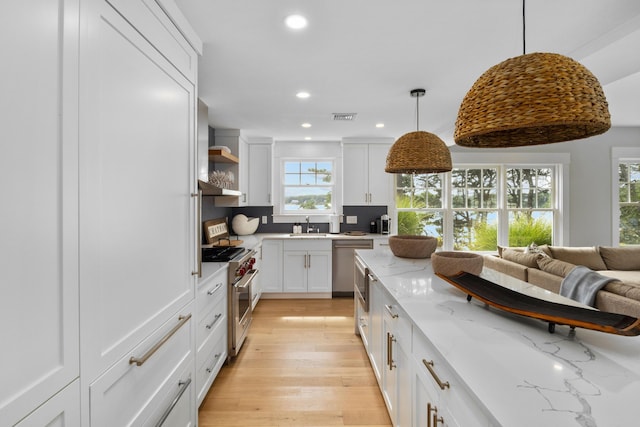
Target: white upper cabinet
137, 174
364, 180
260, 179
39, 227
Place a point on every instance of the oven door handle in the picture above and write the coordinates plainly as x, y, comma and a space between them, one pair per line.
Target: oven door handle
246, 279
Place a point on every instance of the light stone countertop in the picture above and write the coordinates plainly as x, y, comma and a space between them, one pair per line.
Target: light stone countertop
523, 375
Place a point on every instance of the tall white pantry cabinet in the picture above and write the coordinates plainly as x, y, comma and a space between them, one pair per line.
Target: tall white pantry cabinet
97, 172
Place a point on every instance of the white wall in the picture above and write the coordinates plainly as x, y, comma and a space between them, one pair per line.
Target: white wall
589, 219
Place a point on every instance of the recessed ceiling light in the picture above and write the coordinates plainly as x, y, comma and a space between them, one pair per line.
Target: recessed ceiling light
303, 95
307, 138
306, 125
379, 125
295, 22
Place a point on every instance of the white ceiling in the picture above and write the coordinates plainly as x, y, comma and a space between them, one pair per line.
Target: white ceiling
364, 56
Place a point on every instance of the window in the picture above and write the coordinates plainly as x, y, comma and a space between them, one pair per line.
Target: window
629, 202
478, 207
307, 186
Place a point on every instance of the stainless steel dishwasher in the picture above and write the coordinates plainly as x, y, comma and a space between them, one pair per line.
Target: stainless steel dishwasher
343, 264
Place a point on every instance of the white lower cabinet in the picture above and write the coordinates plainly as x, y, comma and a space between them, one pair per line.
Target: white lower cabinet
62, 410
375, 330
256, 283
271, 266
307, 266
211, 330
142, 386
397, 369
362, 324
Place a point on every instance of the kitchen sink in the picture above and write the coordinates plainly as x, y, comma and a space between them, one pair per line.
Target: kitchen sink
311, 235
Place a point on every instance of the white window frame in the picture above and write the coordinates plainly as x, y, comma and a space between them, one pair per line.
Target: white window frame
331, 186
559, 162
619, 154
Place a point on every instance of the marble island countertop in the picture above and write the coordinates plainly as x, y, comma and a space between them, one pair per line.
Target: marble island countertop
519, 372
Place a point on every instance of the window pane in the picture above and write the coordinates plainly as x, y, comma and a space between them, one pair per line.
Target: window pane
423, 223
544, 199
458, 178
420, 198
490, 199
310, 198
474, 177
404, 198
308, 179
530, 227
489, 178
476, 231
634, 193
630, 225
458, 198
623, 193
434, 198
473, 199
292, 167
291, 179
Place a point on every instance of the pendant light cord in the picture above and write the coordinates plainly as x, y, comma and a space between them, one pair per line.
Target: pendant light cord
524, 39
417, 113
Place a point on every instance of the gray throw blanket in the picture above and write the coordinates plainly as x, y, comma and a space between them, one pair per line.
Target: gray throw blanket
582, 284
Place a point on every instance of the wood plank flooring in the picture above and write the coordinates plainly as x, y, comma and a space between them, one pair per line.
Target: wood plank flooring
301, 365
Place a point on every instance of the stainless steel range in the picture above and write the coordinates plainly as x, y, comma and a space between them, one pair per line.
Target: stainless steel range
241, 274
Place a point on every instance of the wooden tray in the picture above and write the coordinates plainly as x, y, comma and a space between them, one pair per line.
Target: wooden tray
554, 313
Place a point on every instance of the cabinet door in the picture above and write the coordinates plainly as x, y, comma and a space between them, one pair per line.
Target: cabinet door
389, 371
376, 341
319, 271
256, 283
424, 397
295, 268
380, 182
271, 266
137, 157
62, 410
260, 176
39, 208
355, 161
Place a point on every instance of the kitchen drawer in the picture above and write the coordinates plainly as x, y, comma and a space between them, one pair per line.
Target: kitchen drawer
307, 245
211, 321
129, 394
461, 406
209, 362
211, 291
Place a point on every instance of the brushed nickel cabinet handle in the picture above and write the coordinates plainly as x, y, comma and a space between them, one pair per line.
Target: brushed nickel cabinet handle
198, 271
389, 309
213, 291
215, 357
429, 366
139, 361
390, 340
183, 387
215, 319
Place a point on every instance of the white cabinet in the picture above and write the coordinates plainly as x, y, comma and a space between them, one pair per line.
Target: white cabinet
439, 389
307, 265
375, 329
397, 370
271, 266
62, 410
260, 191
39, 227
211, 330
137, 229
256, 283
365, 181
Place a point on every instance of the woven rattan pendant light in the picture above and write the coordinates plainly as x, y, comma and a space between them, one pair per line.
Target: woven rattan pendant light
419, 151
532, 99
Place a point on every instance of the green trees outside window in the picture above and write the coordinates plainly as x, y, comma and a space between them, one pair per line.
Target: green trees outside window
629, 198
470, 204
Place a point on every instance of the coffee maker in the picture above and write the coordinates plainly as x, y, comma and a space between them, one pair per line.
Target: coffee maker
384, 224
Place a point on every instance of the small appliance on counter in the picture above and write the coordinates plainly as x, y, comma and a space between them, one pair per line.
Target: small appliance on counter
383, 225
334, 224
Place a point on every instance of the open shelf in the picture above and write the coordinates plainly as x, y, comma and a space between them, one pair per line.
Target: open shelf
222, 156
212, 190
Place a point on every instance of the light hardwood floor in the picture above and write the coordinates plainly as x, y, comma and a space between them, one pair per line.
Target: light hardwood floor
301, 365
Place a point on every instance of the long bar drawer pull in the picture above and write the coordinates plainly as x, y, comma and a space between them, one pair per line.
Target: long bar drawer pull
215, 362
429, 366
140, 361
213, 291
215, 319
184, 385
393, 315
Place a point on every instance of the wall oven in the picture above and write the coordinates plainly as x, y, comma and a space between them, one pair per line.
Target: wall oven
361, 283
241, 274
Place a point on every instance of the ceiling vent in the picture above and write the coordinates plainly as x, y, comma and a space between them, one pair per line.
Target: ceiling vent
344, 116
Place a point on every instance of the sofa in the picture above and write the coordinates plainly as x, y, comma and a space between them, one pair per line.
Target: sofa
546, 266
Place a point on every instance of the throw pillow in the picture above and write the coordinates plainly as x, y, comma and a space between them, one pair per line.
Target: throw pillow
535, 249
528, 260
623, 258
555, 266
587, 256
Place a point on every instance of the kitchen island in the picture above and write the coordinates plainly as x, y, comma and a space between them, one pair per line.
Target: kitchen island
501, 369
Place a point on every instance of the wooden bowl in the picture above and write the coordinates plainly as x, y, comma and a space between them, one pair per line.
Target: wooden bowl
452, 263
407, 246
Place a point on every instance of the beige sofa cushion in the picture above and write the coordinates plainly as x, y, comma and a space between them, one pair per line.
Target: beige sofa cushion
626, 276
587, 256
548, 281
529, 260
622, 258
555, 266
627, 290
507, 267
